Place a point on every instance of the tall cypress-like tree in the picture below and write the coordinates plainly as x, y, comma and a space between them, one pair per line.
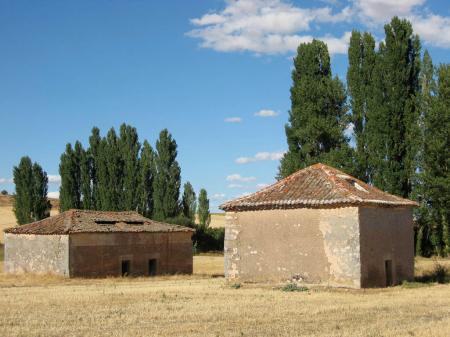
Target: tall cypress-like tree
129, 150
393, 117
424, 246
86, 162
146, 178
166, 186
30, 201
23, 200
69, 191
204, 216
189, 202
114, 177
436, 163
362, 57
94, 152
315, 132
41, 205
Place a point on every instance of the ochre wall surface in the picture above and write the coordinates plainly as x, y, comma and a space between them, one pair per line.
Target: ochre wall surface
37, 253
101, 254
386, 234
312, 245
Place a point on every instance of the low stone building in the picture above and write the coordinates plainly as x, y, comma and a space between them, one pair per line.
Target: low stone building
80, 243
320, 225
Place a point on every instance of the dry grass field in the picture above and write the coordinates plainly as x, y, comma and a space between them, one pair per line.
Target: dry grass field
205, 305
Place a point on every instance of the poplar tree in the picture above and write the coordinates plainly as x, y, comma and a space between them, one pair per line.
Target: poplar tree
315, 132
31, 182
146, 178
23, 200
436, 163
393, 118
129, 151
189, 202
69, 194
424, 246
204, 216
95, 157
166, 186
86, 179
114, 172
361, 56
41, 205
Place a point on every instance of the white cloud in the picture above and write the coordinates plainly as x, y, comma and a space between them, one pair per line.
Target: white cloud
381, 11
434, 29
262, 185
235, 185
260, 156
54, 194
239, 178
233, 119
266, 113
218, 196
264, 26
6, 180
279, 26
54, 179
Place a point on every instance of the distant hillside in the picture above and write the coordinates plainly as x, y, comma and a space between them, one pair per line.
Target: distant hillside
7, 217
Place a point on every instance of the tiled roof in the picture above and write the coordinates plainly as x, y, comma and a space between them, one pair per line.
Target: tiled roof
84, 221
316, 186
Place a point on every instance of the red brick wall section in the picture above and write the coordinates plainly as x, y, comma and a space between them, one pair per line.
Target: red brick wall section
101, 254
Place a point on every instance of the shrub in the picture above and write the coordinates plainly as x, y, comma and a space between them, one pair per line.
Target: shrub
293, 287
208, 239
235, 285
439, 274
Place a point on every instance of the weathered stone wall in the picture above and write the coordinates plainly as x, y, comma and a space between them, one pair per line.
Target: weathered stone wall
37, 253
101, 254
386, 234
313, 245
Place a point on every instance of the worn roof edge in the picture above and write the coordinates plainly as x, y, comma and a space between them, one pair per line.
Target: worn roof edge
280, 204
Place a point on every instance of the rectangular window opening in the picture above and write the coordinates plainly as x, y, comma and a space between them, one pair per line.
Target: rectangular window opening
126, 267
388, 273
152, 267
105, 222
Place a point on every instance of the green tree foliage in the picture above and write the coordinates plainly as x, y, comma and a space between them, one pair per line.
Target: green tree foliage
361, 56
317, 120
116, 173
146, 178
436, 163
189, 202
129, 147
204, 216
167, 182
392, 124
94, 163
30, 202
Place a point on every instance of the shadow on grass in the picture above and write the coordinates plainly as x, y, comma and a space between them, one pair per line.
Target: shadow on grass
439, 274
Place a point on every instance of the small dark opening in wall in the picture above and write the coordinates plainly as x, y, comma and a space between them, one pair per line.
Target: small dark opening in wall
152, 263
388, 272
105, 222
126, 267
134, 222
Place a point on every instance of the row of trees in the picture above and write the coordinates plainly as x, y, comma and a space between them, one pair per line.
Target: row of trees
399, 108
117, 173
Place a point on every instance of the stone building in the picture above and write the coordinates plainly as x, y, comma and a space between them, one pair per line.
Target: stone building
80, 243
320, 225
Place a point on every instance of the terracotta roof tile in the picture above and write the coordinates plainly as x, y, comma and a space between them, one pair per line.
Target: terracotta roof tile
318, 185
84, 221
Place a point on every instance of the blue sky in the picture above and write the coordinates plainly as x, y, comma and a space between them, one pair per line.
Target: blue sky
215, 73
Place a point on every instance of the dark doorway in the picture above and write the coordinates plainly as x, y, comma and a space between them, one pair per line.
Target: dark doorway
388, 273
125, 267
152, 267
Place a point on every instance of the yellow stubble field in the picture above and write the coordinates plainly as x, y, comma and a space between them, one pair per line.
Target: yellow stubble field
203, 304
